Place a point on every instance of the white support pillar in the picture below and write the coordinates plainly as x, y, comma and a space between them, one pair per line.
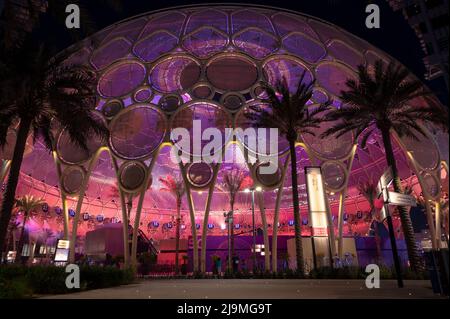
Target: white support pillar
80, 200
190, 201
137, 217
216, 168
276, 216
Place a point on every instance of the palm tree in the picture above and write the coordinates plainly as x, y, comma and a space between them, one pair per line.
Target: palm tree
381, 101
37, 94
26, 204
114, 193
233, 181
175, 186
290, 113
11, 235
369, 190
46, 235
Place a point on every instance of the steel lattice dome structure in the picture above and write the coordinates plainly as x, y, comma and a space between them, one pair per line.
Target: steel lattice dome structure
163, 69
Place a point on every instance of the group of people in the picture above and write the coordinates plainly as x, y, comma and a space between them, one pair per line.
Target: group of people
347, 261
234, 263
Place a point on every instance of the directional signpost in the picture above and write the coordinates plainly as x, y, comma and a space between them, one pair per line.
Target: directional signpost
401, 199
385, 181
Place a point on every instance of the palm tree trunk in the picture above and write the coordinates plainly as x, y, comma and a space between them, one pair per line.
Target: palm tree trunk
275, 229
377, 241
276, 218
21, 238
177, 237
14, 240
376, 234
193, 229
129, 205
205, 219
265, 232
408, 231
230, 258
32, 246
298, 232
13, 178
8, 239
47, 250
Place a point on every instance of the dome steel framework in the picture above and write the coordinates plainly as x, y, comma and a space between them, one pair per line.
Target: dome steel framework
162, 69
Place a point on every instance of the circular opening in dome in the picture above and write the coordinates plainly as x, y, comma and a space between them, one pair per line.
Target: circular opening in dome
319, 96
424, 151
259, 92
170, 103
199, 174
137, 131
142, 95
334, 175
112, 108
202, 92
431, 186
72, 179
267, 179
232, 74
232, 101
132, 176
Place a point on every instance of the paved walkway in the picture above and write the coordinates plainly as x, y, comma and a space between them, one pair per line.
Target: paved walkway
256, 289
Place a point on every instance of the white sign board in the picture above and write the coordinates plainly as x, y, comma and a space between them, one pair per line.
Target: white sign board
385, 180
316, 201
401, 199
11, 256
62, 251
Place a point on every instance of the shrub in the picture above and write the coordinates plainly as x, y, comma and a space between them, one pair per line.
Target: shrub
387, 272
47, 279
16, 288
22, 282
102, 277
337, 273
146, 260
12, 271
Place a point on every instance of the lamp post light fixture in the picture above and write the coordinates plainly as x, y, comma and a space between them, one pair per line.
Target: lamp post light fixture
252, 190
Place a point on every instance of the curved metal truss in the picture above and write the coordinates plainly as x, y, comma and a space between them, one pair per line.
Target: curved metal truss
161, 70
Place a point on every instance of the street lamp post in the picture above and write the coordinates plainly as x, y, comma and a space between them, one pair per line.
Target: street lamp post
228, 220
252, 190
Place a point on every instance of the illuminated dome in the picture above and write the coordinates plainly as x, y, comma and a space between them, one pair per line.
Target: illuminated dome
162, 69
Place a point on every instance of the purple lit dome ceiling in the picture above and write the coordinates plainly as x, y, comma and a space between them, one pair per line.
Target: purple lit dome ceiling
164, 69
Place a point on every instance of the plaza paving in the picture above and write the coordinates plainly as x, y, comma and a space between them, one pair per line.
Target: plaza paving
256, 289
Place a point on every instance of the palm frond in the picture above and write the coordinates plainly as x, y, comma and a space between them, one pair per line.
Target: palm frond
383, 100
